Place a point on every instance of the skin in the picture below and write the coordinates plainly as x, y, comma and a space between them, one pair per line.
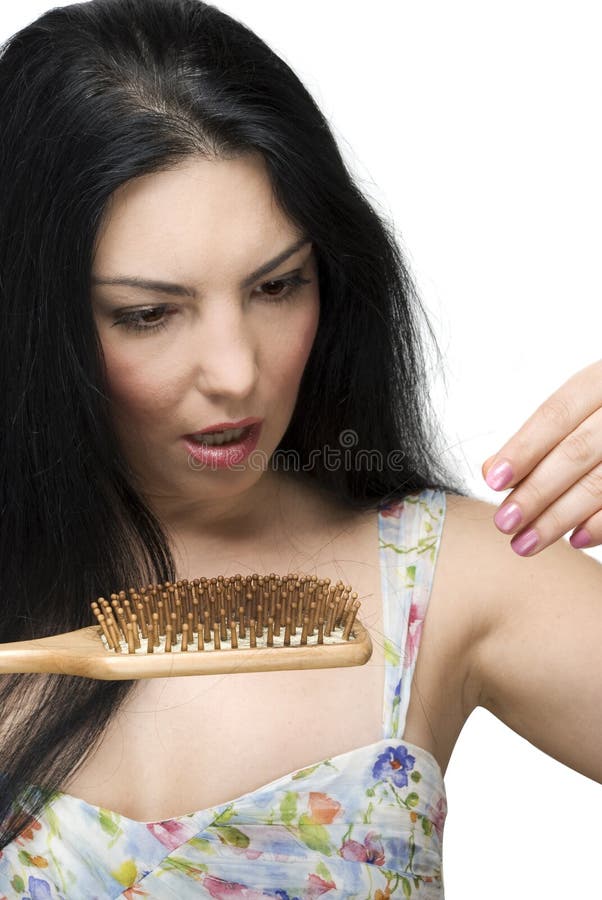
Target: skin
227, 354
488, 641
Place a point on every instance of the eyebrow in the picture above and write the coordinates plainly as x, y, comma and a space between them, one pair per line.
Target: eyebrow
180, 290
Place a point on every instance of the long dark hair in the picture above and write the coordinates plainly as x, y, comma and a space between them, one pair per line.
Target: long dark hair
91, 96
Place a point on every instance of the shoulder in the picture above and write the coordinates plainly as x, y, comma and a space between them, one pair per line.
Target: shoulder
470, 553
478, 580
473, 550
500, 582
447, 672
534, 627
497, 583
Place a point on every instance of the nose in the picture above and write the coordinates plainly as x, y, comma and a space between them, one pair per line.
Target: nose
226, 354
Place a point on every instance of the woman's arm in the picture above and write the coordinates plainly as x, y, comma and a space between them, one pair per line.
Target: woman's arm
538, 659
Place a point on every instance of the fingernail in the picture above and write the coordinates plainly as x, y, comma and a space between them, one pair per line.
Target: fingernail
508, 517
525, 543
499, 475
581, 538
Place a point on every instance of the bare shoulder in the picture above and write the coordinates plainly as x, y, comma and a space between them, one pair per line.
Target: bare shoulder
472, 554
468, 556
447, 678
460, 603
502, 583
535, 658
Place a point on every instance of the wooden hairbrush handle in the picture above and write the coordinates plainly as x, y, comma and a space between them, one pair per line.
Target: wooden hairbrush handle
83, 653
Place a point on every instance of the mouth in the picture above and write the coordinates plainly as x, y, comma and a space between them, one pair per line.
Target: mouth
225, 430
217, 438
218, 451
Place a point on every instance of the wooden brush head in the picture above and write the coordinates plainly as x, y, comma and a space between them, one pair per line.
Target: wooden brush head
206, 626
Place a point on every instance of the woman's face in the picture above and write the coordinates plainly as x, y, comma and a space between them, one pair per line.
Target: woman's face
214, 349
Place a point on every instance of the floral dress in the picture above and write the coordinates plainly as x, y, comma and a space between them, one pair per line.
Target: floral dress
365, 824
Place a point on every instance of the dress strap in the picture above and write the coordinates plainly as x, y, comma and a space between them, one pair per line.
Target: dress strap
409, 539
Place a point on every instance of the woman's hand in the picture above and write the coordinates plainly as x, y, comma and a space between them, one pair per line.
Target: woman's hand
553, 463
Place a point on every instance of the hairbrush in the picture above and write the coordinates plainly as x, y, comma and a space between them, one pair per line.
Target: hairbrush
250, 623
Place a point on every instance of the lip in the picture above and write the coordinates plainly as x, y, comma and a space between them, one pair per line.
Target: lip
226, 426
227, 455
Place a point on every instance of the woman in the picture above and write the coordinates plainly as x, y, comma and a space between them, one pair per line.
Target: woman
168, 144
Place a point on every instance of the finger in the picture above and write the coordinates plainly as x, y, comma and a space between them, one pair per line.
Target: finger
575, 461
487, 464
552, 421
589, 533
581, 503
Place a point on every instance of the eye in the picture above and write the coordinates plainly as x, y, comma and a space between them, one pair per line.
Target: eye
132, 321
292, 283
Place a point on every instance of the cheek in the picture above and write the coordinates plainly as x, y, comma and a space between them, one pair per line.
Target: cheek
138, 391
296, 344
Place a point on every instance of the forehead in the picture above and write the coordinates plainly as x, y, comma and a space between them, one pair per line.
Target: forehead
200, 214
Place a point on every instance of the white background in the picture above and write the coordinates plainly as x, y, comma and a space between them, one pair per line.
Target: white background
476, 128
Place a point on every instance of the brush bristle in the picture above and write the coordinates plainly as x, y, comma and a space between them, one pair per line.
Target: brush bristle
225, 613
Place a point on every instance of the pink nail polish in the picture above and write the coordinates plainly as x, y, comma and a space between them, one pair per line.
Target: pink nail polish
508, 517
499, 475
581, 538
525, 543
